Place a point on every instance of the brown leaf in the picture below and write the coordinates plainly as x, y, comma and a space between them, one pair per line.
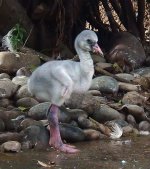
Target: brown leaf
43, 164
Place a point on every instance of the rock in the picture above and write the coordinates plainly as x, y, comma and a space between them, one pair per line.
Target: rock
20, 80
105, 113
74, 123
26, 102
142, 72
134, 98
8, 115
127, 130
7, 88
63, 115
4, 75
14, 124
125, 50
85, 123
144, 82
144, 126
10, 136
131, 120
23, 92
71, 133
39, 111
11, 146
24, 71
135, 110
10, 63
128, 87
76, 113
125, 76
105, 84
91, 134
36, 136
29, 122
5, 102
86, 102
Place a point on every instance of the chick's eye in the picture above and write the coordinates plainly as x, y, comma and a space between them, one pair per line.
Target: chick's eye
89, 42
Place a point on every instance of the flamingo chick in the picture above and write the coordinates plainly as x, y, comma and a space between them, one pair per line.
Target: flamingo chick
55, 81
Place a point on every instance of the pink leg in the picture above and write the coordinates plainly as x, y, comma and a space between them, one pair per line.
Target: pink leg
55, 138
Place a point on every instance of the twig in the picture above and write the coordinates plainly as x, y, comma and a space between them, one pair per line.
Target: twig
101, 127
28, 36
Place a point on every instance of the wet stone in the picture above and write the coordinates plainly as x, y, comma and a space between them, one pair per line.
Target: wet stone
24, 71
7, 88
128, 87
125, 50
86, 102
76, 113
106, 113
134, 98
125, 76
74, 123
105, 84
144, 126
85, 123
20, 80
23, 92
8, 115
5, 102
71, 133
39, 111
10, 136
64, 115
4, 75
144, 82
26, 102
127, 130
91, 134
29, 122
131, 120
9, 63
135, 110
11, 146
36, 136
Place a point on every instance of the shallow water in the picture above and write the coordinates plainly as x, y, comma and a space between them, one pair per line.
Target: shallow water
127, 153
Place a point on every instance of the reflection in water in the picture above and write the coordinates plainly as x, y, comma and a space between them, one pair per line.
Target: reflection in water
128, 153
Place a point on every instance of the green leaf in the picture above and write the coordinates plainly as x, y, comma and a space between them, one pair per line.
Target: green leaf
22, 108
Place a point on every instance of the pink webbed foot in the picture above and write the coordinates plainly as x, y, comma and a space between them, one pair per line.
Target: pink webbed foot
55, 138
66, 148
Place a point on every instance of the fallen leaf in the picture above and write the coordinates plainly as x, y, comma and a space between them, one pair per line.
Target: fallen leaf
43, 164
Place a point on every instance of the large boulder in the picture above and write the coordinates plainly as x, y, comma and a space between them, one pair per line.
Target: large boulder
11, 62
7, 88
125, 50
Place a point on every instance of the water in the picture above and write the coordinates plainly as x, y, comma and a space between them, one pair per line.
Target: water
127, 153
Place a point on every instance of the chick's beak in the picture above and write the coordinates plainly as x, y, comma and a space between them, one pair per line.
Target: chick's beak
97, 49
